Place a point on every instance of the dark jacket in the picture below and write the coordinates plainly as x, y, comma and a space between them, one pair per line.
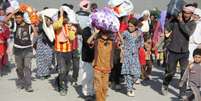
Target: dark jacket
22, 35
180, 35
87, 51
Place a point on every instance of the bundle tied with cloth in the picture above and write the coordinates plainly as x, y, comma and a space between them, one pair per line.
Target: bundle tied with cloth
104, 19
85, 5
67, 31
30, 14
49, 30
121, 7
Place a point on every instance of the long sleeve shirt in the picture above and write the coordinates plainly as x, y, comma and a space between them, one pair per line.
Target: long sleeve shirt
180, 35
193, 75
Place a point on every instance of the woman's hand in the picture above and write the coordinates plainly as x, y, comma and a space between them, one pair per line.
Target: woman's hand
95, 31
61, 12
167, 34
94, 34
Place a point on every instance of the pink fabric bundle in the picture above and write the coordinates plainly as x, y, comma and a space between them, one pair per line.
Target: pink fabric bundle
84, 4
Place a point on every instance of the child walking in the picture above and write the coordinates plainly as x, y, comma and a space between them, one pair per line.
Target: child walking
132, 41
193, 76
102, 63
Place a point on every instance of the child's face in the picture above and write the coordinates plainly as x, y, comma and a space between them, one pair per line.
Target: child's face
131, 27
197, 58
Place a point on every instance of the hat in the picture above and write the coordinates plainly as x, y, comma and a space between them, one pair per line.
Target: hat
84, 4
188, 9
146, 12
197, 12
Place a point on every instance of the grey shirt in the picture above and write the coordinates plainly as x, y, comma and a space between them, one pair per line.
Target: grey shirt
180, 35
193, 75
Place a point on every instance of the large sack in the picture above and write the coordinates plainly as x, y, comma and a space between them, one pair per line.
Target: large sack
104, 19
175, 6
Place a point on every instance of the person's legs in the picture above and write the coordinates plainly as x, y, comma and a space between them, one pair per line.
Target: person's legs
54, 59
183, 61
137, 73
76, 65
148, 69
47, 59
129, 82
98, 85
27, 69
43, 62
116, 75
19, 60
105, 81
87, 80
45, 71
1, 64
84, 79
68, 62
143, 73
196, 92
172, 59
62, 73
3, 56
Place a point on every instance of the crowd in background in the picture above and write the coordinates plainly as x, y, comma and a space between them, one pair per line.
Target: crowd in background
120, 59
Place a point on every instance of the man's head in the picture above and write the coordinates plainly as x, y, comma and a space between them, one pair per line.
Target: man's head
187, 12
93, 7
146, 14
65, 16
197, 55
19, 16
197, 14
48, 21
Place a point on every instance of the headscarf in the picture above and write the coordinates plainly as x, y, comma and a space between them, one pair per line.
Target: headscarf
189, 9
156, 13
146, 12
9, 10
145, 24
197, 12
